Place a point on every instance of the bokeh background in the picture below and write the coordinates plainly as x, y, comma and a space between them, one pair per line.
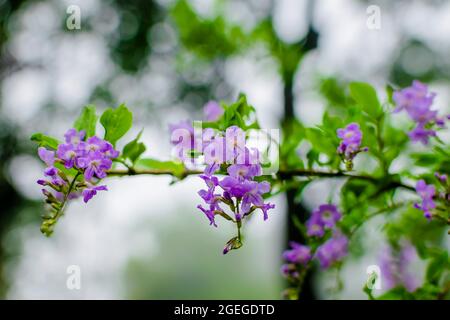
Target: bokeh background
165, 59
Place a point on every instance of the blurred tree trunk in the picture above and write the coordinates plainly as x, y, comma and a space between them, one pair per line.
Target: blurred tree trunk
297, 209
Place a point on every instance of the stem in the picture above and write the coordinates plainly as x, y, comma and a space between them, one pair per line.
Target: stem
282, 174
49, 223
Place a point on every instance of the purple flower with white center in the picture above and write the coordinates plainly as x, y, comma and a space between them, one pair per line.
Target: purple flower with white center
213, 111
299, 254
95, 165
427, 193
329, 215
90, 192
324, 217
68, 154
332, 251
315, 227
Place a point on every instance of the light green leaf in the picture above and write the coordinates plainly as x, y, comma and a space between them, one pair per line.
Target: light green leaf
134, 149
175, 168
116, 122
87, 120
45, 141
366, 97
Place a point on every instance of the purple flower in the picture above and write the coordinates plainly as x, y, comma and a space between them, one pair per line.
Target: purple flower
333, 250
237, 190
323, 217
183, 138
47, 156
441, 177
315, 227
95, 164
89, 193
328, 214
420, 134
235, 144
213, 111
209, 213
214, 154
350, 145
426, 192
266, 207
74, 137
299, 254
208, 195
68, 154
417, 101
253, 195
395, 267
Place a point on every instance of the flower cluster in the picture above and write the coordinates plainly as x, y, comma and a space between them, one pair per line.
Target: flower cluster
333, 250
323, 217
429, 195
395, 264
417, 101
350, 145
238, 191
86, 159
187, 140
298, 255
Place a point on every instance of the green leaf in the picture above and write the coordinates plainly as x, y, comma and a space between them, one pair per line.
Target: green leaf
437, 266
134, 149
116, 122
366, 97
398, 293
45, 141
175, 168
87, 120
390, 93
